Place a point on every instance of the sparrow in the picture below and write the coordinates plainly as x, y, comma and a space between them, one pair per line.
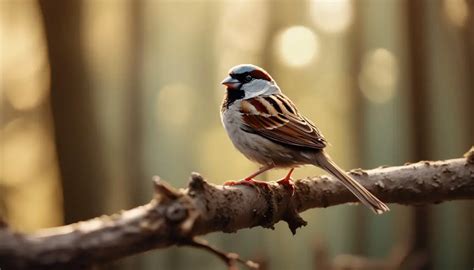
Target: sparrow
267, 128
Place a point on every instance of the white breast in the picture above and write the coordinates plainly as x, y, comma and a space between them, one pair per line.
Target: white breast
254, 147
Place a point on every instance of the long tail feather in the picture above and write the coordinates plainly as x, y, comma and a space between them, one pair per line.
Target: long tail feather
367, 198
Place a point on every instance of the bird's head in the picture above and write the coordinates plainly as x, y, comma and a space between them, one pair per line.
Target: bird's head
251, 81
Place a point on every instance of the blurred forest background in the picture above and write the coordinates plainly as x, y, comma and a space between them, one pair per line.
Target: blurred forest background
98, 96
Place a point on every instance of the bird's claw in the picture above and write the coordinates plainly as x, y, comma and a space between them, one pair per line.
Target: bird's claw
288, 184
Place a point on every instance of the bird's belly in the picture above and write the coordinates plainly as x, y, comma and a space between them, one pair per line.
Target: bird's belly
260, 149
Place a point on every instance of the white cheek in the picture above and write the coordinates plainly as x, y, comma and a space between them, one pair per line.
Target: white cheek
259, 87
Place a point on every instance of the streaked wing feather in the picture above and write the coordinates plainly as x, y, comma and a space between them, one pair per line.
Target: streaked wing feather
277, 119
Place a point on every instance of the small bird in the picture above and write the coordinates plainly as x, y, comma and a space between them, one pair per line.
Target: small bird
265, 126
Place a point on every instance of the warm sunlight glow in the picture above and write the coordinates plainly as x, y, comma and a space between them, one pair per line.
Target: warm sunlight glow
24, 67
332, 16
297, 46
27, 147
379, 75
30, 192
102, 44
456, 11
27, 88
170, 102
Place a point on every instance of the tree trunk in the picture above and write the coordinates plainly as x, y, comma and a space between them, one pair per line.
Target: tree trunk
74, 119
417, 46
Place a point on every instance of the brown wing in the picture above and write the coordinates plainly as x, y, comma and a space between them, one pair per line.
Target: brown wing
276, 118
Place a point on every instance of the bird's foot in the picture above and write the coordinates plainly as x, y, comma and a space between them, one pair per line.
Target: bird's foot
248, 182
288, 184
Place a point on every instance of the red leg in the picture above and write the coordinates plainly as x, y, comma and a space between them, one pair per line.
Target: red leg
249, 181
260, 171
287, 182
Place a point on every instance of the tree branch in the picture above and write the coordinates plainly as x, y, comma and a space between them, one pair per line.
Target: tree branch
174, 217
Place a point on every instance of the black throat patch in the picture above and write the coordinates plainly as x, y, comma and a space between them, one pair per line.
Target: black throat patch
231, 96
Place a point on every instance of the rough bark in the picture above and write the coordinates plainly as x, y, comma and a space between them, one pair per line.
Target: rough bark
174, 217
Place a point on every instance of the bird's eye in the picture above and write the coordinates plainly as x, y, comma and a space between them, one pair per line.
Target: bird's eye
248, 78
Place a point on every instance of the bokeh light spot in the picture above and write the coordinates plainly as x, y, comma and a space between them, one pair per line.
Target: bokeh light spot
27, 91
456, 11
378, 76
24, 64
297, 46
27, 150
332, 16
